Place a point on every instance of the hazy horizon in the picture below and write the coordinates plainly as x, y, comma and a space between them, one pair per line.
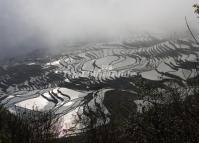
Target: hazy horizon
32, 24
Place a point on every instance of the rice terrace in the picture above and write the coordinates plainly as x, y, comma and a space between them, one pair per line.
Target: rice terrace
141, 88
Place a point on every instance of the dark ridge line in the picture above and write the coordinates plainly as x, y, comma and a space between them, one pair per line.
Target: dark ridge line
63, 94
50, 100
54, 94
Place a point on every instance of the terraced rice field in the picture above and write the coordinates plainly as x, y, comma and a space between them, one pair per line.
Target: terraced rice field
78, 83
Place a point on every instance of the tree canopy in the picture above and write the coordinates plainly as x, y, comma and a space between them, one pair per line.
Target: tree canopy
196, 6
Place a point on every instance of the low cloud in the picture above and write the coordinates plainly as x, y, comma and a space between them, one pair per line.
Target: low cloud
32, 24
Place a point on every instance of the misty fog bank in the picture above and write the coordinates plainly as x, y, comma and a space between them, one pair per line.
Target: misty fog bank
32, 24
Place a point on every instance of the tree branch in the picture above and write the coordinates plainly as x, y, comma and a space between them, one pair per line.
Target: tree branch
191, 31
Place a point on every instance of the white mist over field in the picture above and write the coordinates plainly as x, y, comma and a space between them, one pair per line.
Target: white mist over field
32, 24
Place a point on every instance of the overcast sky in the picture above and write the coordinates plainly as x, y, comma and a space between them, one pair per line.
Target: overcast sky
28, 24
